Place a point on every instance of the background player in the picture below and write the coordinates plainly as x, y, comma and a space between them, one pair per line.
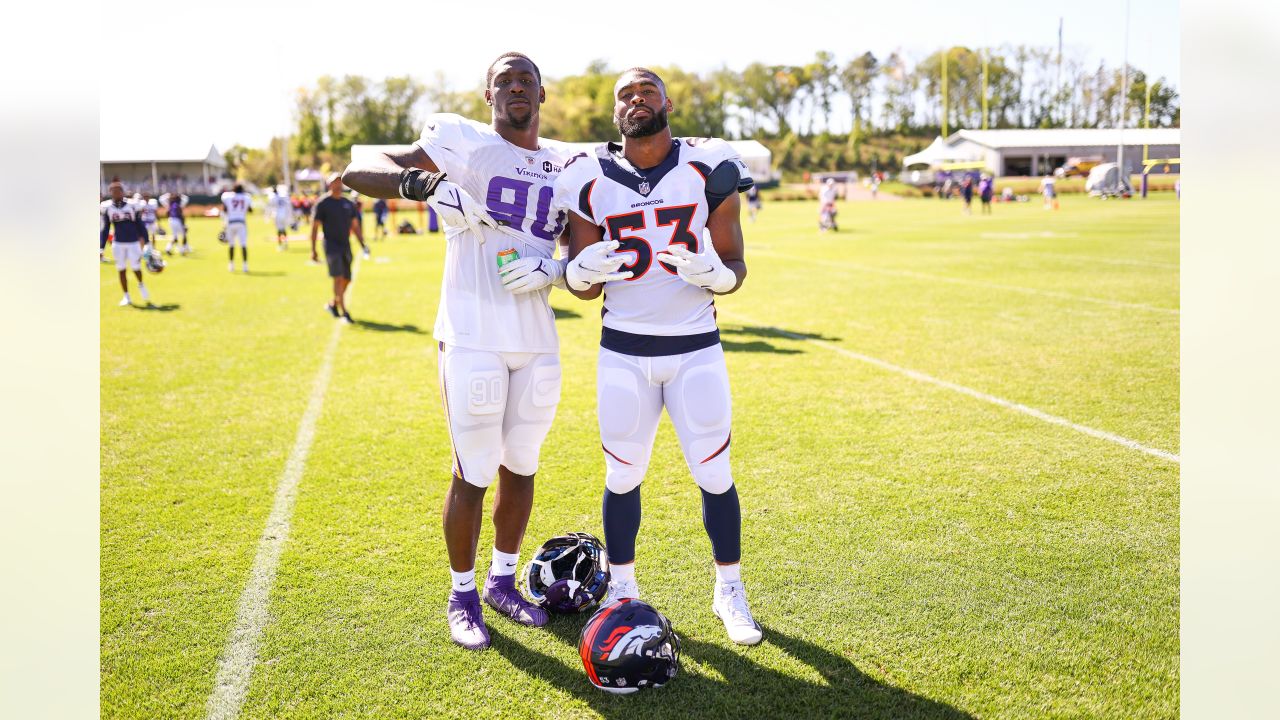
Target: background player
236, 204
499, 362
125, 216
280, 209
380, 217
650, 199
338, 216
150, 211
175, 202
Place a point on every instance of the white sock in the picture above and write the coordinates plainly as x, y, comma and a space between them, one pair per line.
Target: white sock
504, 563
726, 574
622, 573
463, 581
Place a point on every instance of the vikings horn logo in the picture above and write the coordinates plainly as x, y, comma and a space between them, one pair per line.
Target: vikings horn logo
627, 641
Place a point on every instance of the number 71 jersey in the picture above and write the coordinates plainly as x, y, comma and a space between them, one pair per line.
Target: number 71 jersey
647, 211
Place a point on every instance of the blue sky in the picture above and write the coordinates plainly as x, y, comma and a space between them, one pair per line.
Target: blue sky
241, 61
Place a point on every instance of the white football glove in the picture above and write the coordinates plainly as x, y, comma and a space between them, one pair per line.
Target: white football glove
457, 208
596, 264
530, 274
703, 269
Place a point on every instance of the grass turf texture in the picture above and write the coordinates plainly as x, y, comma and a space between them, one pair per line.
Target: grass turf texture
910, 551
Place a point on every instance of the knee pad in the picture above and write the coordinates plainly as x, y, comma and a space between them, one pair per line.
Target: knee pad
622, 479
715, 477
521, 459
478, 467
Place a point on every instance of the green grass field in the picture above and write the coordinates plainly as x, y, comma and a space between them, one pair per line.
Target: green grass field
911, 550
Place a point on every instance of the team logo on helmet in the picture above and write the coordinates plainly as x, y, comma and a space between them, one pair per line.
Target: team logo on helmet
627, 641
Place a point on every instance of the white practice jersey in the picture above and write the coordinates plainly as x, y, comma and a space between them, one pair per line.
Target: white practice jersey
279, 207
149, 211
516, 186
646, 211
237, 205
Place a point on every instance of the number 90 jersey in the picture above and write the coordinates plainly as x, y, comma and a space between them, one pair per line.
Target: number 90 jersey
646, 211
515, 186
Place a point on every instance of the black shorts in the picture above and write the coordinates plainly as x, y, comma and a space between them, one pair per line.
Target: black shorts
339, 264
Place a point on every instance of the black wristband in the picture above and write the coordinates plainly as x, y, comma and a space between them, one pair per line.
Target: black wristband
418, 184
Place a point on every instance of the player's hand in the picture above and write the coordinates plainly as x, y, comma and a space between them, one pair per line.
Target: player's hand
596, 264
530, 274
458, 209
315, 258
704, 269
367, 255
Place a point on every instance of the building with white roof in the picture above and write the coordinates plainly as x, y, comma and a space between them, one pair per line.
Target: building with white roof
1036, 152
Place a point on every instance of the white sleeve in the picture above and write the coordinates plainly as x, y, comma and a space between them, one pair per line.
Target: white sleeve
714, 151
571, 191
447, 140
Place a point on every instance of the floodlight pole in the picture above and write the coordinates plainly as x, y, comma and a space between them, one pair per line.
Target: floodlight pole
986, 57
284, 155
944, 92
1124, 95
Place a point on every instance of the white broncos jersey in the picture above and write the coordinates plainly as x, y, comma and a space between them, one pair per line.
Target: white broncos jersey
646, 211
516, 186
280, 207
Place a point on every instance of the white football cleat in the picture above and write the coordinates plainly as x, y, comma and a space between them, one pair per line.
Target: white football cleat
729, 603
620, 590
231, 266
125, 300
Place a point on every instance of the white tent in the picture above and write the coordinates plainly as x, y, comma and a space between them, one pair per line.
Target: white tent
937, 153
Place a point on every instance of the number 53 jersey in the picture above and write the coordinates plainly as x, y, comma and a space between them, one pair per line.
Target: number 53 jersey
647, 210
516, 186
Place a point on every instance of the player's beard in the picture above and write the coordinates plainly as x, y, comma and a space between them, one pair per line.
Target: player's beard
644, 127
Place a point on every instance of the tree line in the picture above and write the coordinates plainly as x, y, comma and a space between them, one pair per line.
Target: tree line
865, 112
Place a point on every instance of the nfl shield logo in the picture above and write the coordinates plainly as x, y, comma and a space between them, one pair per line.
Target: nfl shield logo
643, 187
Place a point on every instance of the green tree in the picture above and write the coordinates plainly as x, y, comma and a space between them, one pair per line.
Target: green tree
857, 79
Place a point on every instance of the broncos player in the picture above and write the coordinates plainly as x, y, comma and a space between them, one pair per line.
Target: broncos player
638, 212
498, 350
236, 203
125, 216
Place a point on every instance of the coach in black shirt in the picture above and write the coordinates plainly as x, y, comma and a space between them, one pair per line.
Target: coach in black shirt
339, 217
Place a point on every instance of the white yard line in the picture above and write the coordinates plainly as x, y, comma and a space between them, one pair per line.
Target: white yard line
972, 283
977, 394
235, 664
1105, 261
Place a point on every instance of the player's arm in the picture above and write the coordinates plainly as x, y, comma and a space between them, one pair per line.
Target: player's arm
379, 175
355, 227
725, 226
142, 229
582, 234
106, 229
315, 228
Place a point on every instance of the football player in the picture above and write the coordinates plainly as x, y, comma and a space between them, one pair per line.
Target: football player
638, 212
125, 216
498, 350
280, 209
235, 204
150, 209
177, 221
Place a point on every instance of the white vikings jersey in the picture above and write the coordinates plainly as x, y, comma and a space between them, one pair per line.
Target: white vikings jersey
646, 211
149, 211
516, 187
237, 205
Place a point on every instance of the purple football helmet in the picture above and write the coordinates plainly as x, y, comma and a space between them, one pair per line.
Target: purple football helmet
569, 573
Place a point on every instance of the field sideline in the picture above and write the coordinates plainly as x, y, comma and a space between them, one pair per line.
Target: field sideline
912, 550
